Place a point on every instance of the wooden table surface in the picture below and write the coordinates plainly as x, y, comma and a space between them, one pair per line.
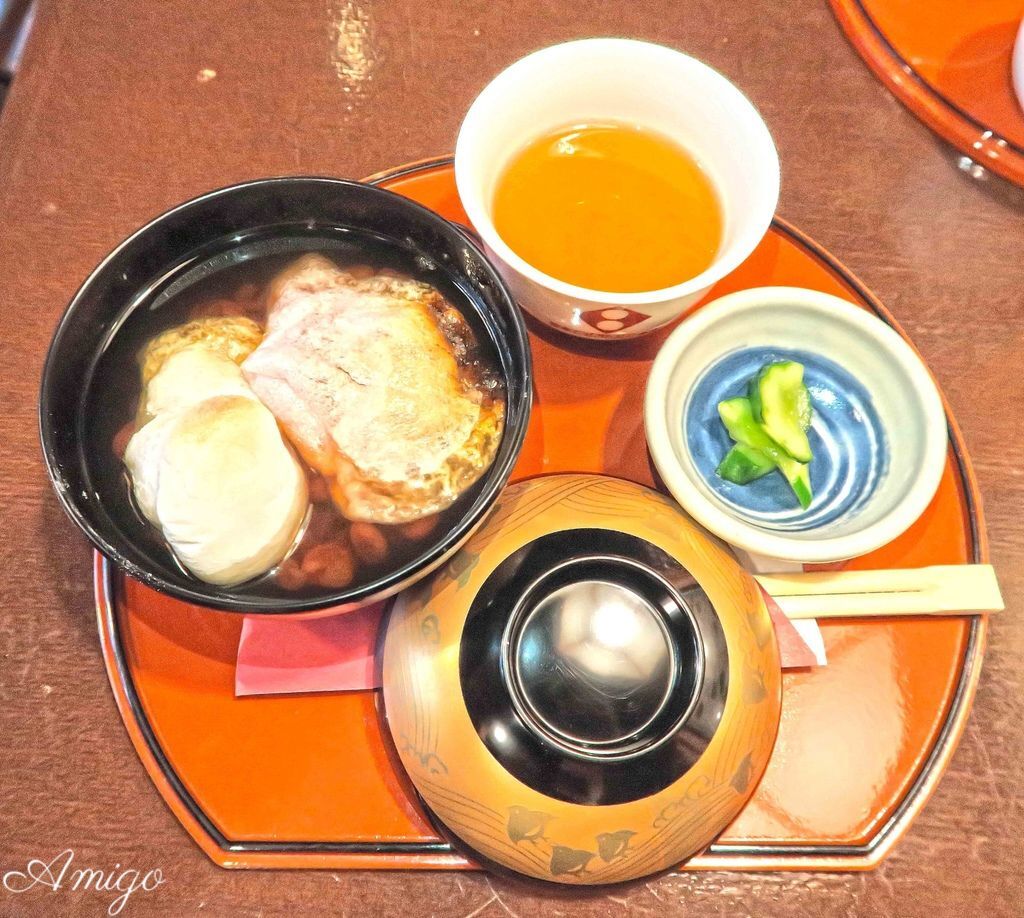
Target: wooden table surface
125, 108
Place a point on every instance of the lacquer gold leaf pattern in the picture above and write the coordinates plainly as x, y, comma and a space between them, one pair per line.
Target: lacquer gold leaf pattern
460, 568
572, 861
525, 824
754, 689
697, 789
430, 629
741, 779
613, 845
431, 761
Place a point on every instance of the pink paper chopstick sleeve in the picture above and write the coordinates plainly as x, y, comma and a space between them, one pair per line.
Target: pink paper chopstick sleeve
331, 653
795, 652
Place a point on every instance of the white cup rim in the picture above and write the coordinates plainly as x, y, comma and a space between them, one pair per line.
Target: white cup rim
761, 211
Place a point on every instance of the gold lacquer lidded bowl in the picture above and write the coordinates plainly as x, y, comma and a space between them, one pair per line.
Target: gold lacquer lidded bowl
590, 690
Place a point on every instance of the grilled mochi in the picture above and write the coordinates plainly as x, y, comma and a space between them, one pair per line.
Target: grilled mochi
211, 469
371, 376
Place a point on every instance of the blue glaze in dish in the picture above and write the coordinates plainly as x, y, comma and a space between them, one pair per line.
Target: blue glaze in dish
847, 438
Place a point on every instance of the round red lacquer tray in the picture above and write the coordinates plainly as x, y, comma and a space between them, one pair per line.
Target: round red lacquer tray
948, 61
312, 781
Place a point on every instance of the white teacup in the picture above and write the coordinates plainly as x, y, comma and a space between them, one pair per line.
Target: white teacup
638, 83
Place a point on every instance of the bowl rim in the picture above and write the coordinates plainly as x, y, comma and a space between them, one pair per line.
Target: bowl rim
773, 543
494, 478
475, 123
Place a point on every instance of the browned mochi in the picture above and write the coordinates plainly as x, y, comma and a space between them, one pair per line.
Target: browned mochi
369, 378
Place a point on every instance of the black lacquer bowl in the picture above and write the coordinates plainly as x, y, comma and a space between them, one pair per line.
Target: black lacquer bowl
130, 293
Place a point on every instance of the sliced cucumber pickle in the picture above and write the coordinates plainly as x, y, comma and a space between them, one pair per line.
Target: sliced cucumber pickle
737, 415
782, 404
743, 464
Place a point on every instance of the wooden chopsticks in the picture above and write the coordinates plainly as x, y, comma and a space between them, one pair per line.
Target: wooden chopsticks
954, 589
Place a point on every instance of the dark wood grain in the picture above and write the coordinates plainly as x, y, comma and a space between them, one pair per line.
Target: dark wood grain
123, 109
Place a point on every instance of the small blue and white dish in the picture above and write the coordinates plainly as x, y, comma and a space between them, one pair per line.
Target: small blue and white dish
878, 432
